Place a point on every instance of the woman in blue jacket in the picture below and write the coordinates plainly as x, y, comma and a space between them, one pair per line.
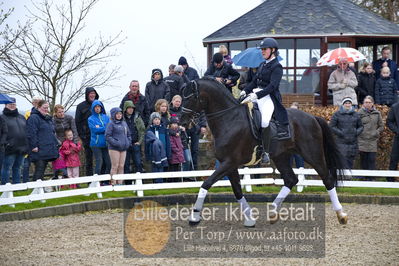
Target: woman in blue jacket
98, 122
119, 140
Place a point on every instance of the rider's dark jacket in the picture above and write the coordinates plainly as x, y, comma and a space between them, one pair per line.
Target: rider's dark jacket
268, 79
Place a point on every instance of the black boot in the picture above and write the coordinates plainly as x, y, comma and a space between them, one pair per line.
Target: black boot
266, 145
283, 131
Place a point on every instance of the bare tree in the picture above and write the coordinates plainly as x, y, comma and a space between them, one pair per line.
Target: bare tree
388, 9
52, 60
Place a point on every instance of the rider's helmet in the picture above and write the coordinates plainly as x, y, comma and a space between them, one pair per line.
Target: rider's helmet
268, 43
217, 58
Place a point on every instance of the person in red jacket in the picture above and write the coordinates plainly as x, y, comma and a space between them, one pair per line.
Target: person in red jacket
70, 150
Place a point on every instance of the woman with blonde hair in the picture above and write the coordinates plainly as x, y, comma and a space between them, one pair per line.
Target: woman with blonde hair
225, 52
162, 107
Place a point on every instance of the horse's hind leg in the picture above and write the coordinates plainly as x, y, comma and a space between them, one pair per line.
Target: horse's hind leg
319, 164
223, 170
244, 206
282, 163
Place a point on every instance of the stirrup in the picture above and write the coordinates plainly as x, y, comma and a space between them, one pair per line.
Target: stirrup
265, 158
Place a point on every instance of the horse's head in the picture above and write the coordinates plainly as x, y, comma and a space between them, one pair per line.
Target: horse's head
191, 105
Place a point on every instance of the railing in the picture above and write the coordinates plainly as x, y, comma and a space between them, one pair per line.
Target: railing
39, 193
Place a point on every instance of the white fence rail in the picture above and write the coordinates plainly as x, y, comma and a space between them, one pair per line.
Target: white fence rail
39, 191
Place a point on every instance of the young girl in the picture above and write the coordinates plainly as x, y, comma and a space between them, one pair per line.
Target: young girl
177, 156
70, 150
119, 140
161, 106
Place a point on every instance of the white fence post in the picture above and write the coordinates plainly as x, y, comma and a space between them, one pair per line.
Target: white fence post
301, 178
139, 182
8, 194
38, 190
96, 184
248, 188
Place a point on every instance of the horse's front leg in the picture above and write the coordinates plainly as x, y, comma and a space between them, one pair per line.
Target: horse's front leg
195, 216
290, 180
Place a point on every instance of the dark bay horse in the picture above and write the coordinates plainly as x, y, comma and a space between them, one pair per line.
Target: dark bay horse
235, 145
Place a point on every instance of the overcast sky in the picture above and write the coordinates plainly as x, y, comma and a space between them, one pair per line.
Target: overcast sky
158, 33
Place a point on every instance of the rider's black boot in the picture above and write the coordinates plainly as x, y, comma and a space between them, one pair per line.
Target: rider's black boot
266, 145
283, 131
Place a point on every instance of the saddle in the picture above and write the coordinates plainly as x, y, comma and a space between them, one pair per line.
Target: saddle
255, 122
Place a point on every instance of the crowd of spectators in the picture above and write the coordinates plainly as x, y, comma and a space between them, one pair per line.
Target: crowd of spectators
149, 124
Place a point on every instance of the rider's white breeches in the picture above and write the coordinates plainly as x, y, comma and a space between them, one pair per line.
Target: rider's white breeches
266, 108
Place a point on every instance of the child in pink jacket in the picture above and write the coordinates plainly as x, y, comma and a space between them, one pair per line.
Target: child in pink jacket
71, 155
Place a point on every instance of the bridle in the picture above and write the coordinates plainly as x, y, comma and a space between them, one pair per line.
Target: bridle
195, 115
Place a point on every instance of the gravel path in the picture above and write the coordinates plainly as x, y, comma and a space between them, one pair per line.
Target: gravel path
370, 237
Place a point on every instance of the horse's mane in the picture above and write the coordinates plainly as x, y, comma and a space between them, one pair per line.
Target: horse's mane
221, 88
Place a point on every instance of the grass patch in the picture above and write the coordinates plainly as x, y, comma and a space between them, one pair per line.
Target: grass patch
121, 194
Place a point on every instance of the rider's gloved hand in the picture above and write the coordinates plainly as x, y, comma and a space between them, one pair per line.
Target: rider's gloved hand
253, 97
243, 94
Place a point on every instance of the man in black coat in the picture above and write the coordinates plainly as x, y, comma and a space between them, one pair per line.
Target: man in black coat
190, 72
175, 81
156, 89
222, 72
83, 111
393, 124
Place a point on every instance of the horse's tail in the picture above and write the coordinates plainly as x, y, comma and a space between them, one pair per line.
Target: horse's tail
334, 158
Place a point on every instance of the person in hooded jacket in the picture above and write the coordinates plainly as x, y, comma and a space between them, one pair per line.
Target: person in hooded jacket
156, 89
161, 133
119, 140
42, 141
347, 126
366, 82
137, 131
189, 72
83, 111
222, 72
139, 101
98, 122
16, 143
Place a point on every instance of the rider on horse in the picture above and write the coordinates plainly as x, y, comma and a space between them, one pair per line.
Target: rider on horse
264, 89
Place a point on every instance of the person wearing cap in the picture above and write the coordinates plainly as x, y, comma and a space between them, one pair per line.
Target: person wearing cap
347, 126
156, 89
16, 143
137, 131
139, 101
222, 72
343, 82
190, 72
157, 145
175, 81
264, 89
83, 111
